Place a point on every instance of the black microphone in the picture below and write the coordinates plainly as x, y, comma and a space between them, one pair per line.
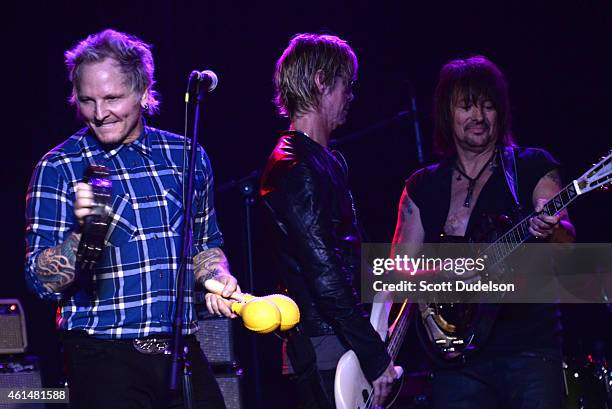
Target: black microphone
206, 79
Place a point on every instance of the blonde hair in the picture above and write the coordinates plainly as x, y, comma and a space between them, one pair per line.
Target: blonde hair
132, 54
294, 78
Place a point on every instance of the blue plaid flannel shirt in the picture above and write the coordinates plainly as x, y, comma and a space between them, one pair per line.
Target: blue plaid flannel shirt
135, 280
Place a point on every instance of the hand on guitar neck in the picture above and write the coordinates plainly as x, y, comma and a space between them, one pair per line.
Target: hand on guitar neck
383, 385
351, 388
551, 223
556, 229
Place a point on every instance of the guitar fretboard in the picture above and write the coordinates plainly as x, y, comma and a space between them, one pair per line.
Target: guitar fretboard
518, 234
397, 337
395, 342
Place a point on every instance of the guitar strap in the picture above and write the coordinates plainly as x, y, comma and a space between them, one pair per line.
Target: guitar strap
508, 163
488, 312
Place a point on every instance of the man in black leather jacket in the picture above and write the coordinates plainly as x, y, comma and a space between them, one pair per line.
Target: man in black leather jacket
305, 190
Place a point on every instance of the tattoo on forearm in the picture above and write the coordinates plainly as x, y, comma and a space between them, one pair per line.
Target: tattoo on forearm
408, 207
553, 175
405, 207
55, 265
209, 263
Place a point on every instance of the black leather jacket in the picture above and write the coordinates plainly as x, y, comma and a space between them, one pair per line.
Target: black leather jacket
305, 190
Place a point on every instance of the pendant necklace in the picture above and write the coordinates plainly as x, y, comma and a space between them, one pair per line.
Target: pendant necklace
472, 181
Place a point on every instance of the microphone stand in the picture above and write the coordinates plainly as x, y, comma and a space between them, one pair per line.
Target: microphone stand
179, 354
359, 135
248, 190
417, 130
410, 115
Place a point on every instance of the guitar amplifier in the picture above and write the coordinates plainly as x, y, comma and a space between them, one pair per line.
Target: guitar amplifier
13, 339
215, 335
20, 372
216, 338
230, 388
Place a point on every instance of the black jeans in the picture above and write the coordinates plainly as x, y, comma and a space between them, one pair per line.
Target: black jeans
315, 388
317, 394
527, 380
113, 374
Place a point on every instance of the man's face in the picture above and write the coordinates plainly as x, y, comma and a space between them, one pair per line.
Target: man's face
107, 103
474, 123
336, 100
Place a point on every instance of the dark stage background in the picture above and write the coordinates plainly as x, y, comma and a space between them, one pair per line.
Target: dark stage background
557, 57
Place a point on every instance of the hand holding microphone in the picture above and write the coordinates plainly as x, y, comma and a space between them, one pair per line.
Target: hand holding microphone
260, 314
92, 210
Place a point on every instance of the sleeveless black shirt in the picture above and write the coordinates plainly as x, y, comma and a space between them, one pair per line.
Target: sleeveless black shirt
519, 327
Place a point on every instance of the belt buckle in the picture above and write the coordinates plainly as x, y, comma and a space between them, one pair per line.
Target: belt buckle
152, 346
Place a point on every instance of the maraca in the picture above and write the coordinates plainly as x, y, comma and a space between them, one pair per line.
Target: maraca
258, 315
290, 313
256, 312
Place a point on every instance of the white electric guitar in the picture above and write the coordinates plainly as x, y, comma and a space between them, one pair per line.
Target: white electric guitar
351, 388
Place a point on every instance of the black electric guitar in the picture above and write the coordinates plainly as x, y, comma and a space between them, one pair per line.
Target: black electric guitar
456, 329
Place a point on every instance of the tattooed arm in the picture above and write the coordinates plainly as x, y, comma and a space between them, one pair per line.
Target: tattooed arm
409, 232
557, 229
212, 263
52, 216
55, 265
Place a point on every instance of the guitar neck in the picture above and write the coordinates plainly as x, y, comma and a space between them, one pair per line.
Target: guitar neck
518, 234
399, 331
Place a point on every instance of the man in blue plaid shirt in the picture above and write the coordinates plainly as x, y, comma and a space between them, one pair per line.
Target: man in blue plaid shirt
109, 333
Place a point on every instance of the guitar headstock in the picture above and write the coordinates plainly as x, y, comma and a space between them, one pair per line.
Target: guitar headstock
598, 176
